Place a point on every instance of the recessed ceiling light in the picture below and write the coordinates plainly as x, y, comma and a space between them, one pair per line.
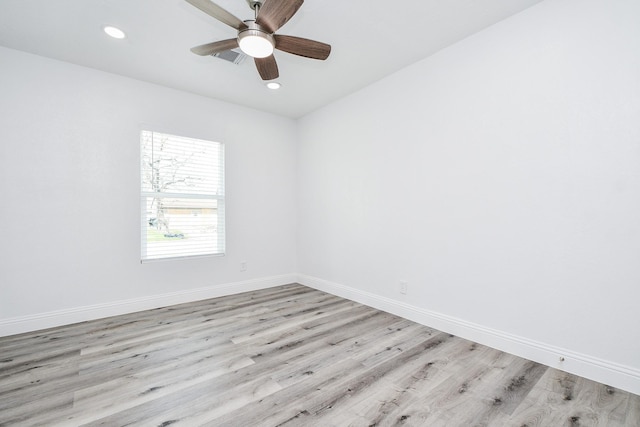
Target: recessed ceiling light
114, 32
274, 85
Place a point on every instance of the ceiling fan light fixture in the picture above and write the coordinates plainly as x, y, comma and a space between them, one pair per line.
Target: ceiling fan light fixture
256, 42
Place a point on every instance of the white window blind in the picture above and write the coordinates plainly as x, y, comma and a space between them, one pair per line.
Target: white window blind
182, 196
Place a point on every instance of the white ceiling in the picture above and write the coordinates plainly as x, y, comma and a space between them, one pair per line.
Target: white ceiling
370, 39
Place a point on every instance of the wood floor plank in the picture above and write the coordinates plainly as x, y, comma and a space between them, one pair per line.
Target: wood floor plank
421, 374
340, 395
290, 403
633, 411
285, 356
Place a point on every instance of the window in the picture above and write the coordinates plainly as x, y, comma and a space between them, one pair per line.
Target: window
182, 196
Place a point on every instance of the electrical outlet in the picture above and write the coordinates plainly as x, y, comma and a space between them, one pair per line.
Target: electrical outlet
403, 287
243, 266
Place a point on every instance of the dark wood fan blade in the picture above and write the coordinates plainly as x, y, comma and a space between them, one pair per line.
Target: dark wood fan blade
275, 13
303, 47
212, 9
267, 67
215, 47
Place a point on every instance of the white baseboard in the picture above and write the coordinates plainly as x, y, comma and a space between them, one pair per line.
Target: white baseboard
18, 325
603, 371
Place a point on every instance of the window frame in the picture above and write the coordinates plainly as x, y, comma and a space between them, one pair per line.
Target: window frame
219, 196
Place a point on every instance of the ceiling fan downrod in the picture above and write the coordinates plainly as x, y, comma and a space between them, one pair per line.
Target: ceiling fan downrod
255, 5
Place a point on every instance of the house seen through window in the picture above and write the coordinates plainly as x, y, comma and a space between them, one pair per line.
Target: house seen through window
182, 196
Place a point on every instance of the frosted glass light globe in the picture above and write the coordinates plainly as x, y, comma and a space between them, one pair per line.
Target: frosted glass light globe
256, 46
255, 42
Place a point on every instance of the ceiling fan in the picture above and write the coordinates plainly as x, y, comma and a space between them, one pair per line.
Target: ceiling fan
257, 38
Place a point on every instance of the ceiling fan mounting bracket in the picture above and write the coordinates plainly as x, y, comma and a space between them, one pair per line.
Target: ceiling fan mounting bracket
253, 4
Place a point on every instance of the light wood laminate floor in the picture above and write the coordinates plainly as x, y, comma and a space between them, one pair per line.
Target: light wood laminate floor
286, 356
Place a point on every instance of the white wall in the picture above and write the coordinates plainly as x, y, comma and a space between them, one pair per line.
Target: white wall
501, 179
69, 193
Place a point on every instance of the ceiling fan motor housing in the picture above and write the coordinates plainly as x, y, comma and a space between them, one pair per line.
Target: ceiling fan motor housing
255, 41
